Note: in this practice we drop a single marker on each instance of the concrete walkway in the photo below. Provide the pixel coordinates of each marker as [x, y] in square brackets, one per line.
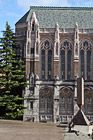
[73, 136]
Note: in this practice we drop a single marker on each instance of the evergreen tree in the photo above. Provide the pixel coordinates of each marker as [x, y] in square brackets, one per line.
[11, 77]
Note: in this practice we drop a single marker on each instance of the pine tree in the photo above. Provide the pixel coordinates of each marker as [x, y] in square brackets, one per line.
[11, 77]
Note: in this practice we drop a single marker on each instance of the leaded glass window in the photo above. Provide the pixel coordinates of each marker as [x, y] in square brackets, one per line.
[69, 103]
[62, 55]
[88, 64]
[46, 60]
[42, 104]
[43, 63]
[82, 63]
[49, 63]
[46, 101]
[69, 58]
[66, 101]
[47, 43]
[85, 44]
[66, 43]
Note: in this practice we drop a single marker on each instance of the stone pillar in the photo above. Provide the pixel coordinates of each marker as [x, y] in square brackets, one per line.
[56, 51]
[36, 101]
[80, 92]
[76, 51]
[56, 99]
[36, 43]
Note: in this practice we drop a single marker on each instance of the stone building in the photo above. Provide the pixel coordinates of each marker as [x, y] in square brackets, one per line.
[56, 44]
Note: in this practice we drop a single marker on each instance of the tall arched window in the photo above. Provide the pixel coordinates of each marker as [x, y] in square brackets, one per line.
[88, 64]
[66, 101]
[85, 60]
[46, 60]
[69, 63]
[82, 63]
[66, 60]
[49, 63]
[46, 101]
[62, 54]
[43, 63]
[88, 101]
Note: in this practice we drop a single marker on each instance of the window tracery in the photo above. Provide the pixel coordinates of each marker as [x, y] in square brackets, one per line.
[66, 60]
[85, 54]
[66, 101]
[88, 98]
[46, 101]
[46, 60]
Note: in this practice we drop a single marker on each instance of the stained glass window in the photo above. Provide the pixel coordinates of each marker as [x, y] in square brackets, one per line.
[69, 59]
[82, 63]
[43, 63]
[88, 64]
[62, 55]
[49, 63]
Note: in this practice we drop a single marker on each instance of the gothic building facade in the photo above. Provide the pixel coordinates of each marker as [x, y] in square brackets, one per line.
[56, 44]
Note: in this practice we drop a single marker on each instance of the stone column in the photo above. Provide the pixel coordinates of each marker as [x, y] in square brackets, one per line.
[76, 51]
[56, 51]
[56, 99]
[36, 101]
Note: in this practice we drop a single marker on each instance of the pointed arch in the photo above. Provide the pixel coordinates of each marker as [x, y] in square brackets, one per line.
[88, 101]
[47, 46]
[33, 26]
[66, 58]
[66, 101]
[86, 48]
[46, 101]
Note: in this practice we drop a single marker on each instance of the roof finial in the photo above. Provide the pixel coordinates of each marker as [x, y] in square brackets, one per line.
[76, 25]
[57, 26]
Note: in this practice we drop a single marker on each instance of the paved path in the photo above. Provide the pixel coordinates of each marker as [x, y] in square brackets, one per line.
[17, 130]
[74, 136]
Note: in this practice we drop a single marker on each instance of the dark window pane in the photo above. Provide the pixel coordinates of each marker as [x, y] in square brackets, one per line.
[85, 43]
[49, 63]
[43, 63]
[32, 50]
[62, 57]
[69, 63]
[82, 63]
[66, 43]
[33, 26]
[47, 43]
[88, 64]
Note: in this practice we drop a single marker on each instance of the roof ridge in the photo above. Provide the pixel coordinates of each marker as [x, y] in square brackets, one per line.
[63, 8]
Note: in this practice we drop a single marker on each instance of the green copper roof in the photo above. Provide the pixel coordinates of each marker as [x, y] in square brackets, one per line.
[65, 16]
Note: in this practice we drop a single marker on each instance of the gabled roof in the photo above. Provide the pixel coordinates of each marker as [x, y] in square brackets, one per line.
[65, 16]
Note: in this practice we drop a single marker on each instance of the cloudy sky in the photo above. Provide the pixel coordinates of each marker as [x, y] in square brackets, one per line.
[13, 10]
